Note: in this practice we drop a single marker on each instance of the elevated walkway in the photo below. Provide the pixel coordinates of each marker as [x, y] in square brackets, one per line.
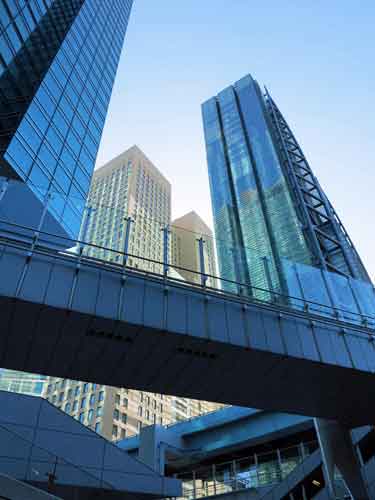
[77, 317]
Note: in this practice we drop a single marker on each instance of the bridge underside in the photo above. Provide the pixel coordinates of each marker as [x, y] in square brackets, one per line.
[89, 323]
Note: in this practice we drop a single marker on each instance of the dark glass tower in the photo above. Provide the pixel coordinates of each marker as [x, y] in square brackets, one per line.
[58, 60]
[270, 212]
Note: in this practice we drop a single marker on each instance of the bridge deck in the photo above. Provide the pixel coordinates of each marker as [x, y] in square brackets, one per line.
[78, 318]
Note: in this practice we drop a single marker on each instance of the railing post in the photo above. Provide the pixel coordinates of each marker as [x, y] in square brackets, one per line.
[280, 464]
[194, 486]
[234, 467]
[4, 188]
[214, 477]
[237, 271]
[166, 232]
[89, 211]
[202, 269]
[42, 218]
[267, 273]
[128, 221]
[256, 470]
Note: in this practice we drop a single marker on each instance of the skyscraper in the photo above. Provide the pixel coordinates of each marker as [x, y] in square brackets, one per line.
[23, 383]
[192, 239]
[129, 190]
[270, 212]
[58, 60]
[128, 195]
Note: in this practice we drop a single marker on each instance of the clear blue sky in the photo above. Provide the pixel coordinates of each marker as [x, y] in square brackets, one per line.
[316, 58]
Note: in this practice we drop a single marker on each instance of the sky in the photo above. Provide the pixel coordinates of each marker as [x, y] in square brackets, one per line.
[316, 59]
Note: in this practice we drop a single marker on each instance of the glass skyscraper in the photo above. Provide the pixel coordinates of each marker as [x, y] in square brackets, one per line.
[58, 60]
[271, 216]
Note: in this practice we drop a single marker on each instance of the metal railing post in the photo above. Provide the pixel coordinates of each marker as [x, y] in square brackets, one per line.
[194, 485]
[267, 272]
[89, 211]
[4, 188]
[166, 232]
[214, 477]
[234, 468]
[237, 271]
[280, 465]
[256, 470]
[129, 222]
[42, 218]
[202, 269]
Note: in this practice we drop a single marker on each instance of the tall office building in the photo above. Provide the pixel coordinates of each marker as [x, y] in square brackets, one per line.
[58, 60]
[22, 383]
[129, 187]
[192, 240]
[270, 212]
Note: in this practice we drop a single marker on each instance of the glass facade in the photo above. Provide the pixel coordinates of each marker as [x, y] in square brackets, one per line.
[256, 224]
[58, 60]
[262, 235]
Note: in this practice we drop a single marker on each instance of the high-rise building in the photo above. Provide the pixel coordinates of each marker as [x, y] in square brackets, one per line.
[128, 188]
[58, 60]
[127, 193]
[270, 212]
[191, 242]
[22, 383]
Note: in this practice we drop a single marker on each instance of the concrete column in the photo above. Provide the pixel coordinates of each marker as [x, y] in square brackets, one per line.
[337, 450]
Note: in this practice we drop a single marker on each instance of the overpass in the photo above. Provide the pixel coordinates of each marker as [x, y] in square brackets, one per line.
[69, 315]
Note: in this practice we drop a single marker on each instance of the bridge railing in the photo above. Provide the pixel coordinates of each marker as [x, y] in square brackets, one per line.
[182, 252]
[255, 471]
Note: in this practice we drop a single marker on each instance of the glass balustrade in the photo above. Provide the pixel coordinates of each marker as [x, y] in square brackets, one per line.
[130, 240]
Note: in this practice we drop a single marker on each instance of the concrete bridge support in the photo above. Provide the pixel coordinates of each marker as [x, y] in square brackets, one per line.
[338, 451]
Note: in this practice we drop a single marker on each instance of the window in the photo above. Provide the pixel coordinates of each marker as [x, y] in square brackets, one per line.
[125, 402]
[68, 407]
[101, 396]
[117, 399]
[75, 405]
[123, 433]
[90, 416]
[140, 411]
[97, 427]
[83, 402]
[81, 417]
[147, 415]
[61, 397]
[116, 414]
[63, 384]
[99, 411]
[69, 395]
[85, 388]
[76, 391]
[92, 399]
[114, 431]
[49, 389]
[54, 399]
[124, 418]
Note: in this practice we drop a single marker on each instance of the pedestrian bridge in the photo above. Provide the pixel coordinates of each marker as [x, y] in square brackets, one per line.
[69, 315]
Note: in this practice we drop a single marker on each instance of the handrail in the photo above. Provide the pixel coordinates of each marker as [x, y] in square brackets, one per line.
[80, 243]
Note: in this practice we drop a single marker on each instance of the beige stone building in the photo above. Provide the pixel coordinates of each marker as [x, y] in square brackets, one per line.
[127, 186]
[186, 233]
